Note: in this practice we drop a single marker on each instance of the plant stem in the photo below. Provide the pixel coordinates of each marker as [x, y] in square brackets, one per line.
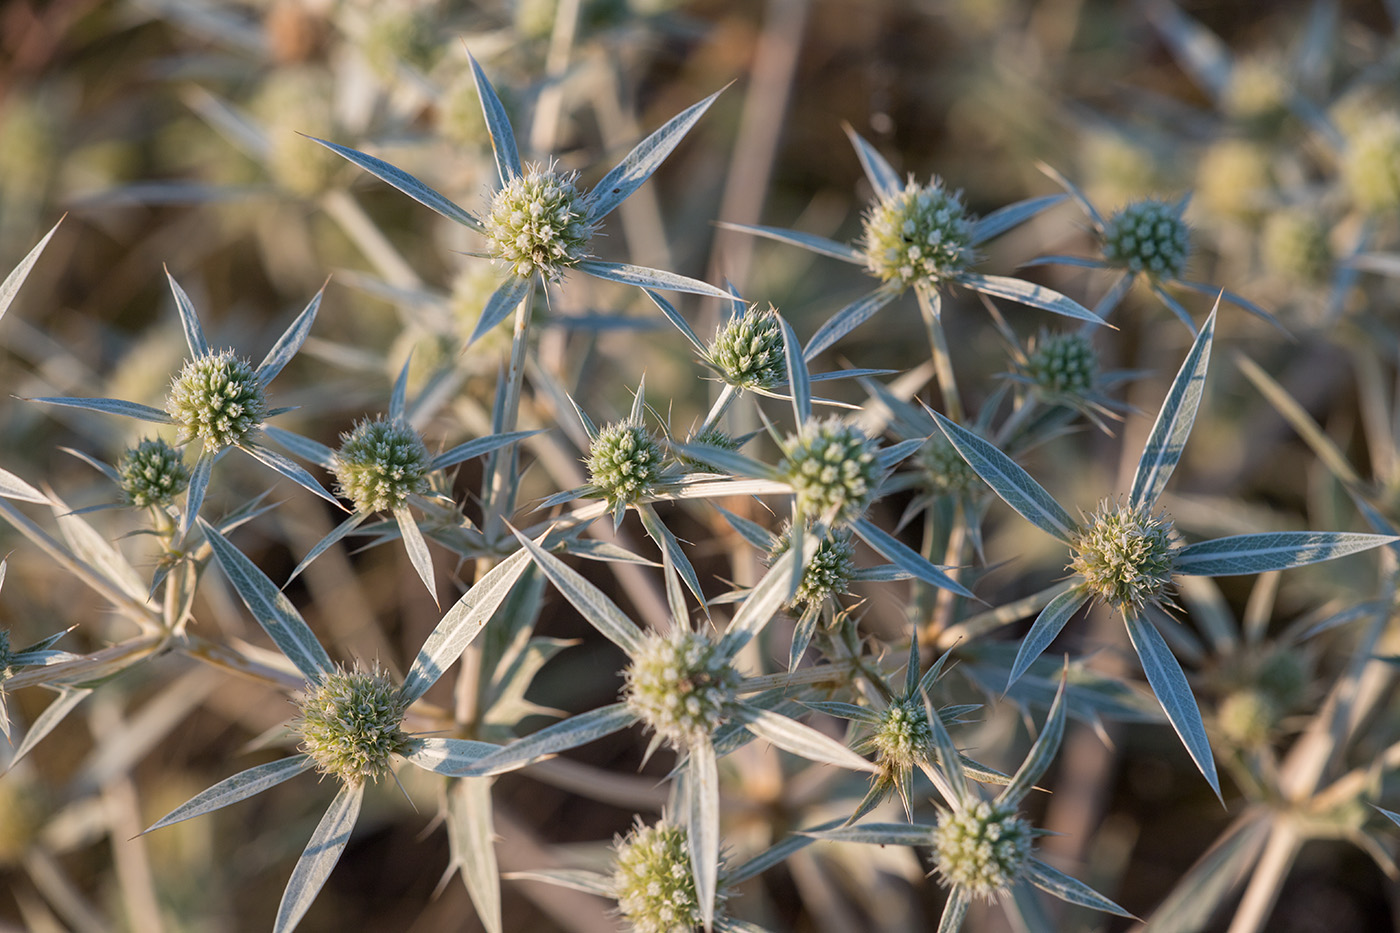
[931, 305]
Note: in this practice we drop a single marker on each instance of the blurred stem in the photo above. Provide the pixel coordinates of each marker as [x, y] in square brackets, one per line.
[545, 128]
[356, 224]
[726, 398]
[946, 600]
[976, 626]
[1267, 879]
[932, 307]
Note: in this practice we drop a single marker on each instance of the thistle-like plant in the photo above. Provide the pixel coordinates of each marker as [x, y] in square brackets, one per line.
[1125, 554]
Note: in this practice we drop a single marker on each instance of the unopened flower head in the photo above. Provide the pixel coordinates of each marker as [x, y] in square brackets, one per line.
[624, 462]
[679, 685]
[1372, 164]
[748, 351]
[713, 437]
[653, 883]
[538, 223]
[152, 473]
[1124, 554]
[1063, 365]
[922, 234]
[982, 848]
[944, 468]
[351, 723]
[1297, 246]
[1148, 236]
[834, 469]
[217, 398]
[902, 736]
[828, 573]
[380, 464]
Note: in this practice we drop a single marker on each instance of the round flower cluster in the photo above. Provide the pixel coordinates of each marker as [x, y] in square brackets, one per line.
[380, 464]
[901, 736]
[1063, 364]
[350, 724]
[1257, 91]
[828, 573]
[982, 848]
[922, 234]
[152, 473]
[653, 883]
[1297, 246]
[1124, 554]
[748, 351]
[944, 468]
[1148, 236]
[1372, 166]
[714, 437]
[679, 685]
[624, 462]
[217, 398]
[538, 223]
[833, 468]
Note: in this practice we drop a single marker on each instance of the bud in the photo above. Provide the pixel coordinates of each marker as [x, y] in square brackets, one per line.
[901, 737]
[982, 848]
[1063, 365]
[679, 685]
[714, 437]
[834, 469]
[1124, 554]
[653, 882]
[828, 573]
[152, 474]
[217, 398]
[748, 350]
[380, 464]
[1148, 236]
[624, 462]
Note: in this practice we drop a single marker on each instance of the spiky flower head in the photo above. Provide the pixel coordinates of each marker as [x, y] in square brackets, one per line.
[1063, 364]
[712, 437]
[380, 464]
[679, 685]
[921, 234]
[538, 223]
[945, 470]
[829, 571]
[748, 350]
[350, 723]
[1372, 165]
[982, 848]
[653, 882]
[1124, 554]
[1148, 236]
[834, 469]
[901, 737]
[218, 398]
[152, 473]
[624, 462]
[1297, 246]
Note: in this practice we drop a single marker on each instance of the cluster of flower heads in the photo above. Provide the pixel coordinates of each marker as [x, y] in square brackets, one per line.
[680, 685]
[982, 848]
[833, 468]
[902, 736]
[828, 573]
[1063, 364]
[153, 473]
[747, 351]
[624, 462]
[1124, 553]
[351, 723]
[653, 882]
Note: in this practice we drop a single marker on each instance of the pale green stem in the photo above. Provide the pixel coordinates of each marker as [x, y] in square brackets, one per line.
[930, 304]
[356, 224]
[946, 600]
[1267, 879]
[984, 622]
[726, 398]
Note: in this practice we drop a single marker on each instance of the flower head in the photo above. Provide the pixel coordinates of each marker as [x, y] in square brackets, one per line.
[1064, 364]
[538, 222]
[922, 234]
[1148, 236]
[902, 737]
[350, 723]
[748, 350]
[380, 464]
[1124, 554]
[828, 573]
[833, 468]
[982, 847]
[711, 437]
[1297, 246]
[680, 684]
[624, 462]
[218, 398]
[652, 880]
[152, 473]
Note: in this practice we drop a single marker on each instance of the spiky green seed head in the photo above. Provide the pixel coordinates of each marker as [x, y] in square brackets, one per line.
[1148, 236]
[400, 36]
[901, 738]
[1124, 554]
[1297, 246]
[828, 573]
[923, 234]
[295, 101]
[833, 468]
[152, 473]
[982, 848]
[653, 882]
[1064, 365]
[218, 399]
[1371, 167]
[351, 723]
[748, 350]
[624, 462]
[380, 464]
[538, 223]
[713, 437]
[945, 470]
[679, 685]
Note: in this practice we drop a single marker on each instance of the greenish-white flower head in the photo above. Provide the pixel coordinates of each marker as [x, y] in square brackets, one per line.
[398, 35]
[1148, 236]
[1063, 365]
[351, 723]
[902, 736]
[1297, 246]
[1124, 554]
[538, 223]
[923, 234]
[945, 470]
[679, 685]
[828, 573]
[652, 880]
[218, 399]
[624, 462]
[1248, 717]
[1257, 91]
[152, 473]
[833, 468]
[982, 848]
[1372, 164]
[713, 437]
[380, 464]
[748, 350]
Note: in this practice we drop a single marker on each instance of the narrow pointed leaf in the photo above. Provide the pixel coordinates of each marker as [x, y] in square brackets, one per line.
[274, 612]
[880, 834]
[448, 756]
[1259, 553]
[189, 319]
[1074, 192]
[602, 613]
[846, 711]
[502, 304]
[907, 559]
[808, 241]
[462, 623]
[575, 879]
[799, 739]
[12, 487]
[1200, 52]
[1053, 881]
[954, 911]
[1235, 299]
[639, 401]
[290, 342]
[999, 221]
[269, 457]
[317, 861]
[949, 760]
[895, 453]
[571, 733]
[850, 317]
[111, 406]
[194, 494]
[638, 165]
[498, 124]
[882, 176]
[10, 287]
[417, 547]
[1388, 814]
[802, 632]
[405, 182]
[471, 841]
[106, 469]
[798, 377]
[241, 786]
[658, 532]
[1174, 421]
[730, 461]
[303, 447]
[1173, 305]
[702, 825]
[1013, 484]
[750, 531]
[1041, 754]
[769, 595]
[1047, 625]
[336, 534]
[644, 278]
[675, 318]
[1028, 293]
[778, 853]
[67, 700]
[398, 396]
[1169, 683]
